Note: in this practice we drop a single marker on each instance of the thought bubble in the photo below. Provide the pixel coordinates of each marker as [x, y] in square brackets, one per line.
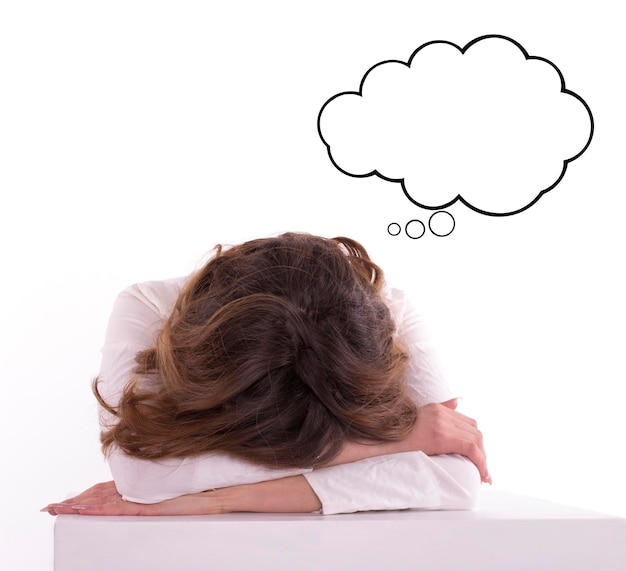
[486, 124]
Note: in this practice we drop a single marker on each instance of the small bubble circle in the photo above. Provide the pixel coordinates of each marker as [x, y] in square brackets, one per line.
[394, 228]
[415, 229]
[441, 223]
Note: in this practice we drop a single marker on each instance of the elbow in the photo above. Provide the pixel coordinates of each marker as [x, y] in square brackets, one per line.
[136, 480]
[463, 489]
[470, 494]
[133, 490]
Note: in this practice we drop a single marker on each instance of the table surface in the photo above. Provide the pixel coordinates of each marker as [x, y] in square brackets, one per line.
[506, 531]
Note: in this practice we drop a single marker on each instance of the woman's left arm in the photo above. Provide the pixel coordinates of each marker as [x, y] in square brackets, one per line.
[439, 466]
[398, 481]
[285, 495]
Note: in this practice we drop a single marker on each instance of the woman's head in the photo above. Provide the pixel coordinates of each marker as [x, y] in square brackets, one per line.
[278, 351]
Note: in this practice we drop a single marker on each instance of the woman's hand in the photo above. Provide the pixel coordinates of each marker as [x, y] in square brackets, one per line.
[440, 429]
[291, 494]
[104, 499]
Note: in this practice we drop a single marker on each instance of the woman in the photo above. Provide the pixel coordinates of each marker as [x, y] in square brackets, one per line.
[283, 376]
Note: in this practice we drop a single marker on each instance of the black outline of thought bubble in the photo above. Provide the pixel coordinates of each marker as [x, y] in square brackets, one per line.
[458, 196]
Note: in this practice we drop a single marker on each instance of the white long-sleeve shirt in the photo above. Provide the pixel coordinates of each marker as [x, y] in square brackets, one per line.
[394, 481]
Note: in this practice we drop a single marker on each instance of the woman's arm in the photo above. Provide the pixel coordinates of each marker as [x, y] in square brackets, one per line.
[441, 463]
[438, 466]
[389, 481]
[417, 481]
[291, 494]
[439, 429]
[438, 482]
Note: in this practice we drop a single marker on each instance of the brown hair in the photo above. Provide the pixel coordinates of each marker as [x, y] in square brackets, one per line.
[278, 351]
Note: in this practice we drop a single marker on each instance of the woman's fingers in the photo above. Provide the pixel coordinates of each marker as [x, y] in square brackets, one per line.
[96, 495]
[475, 449]
[442, 430]
[475, 452]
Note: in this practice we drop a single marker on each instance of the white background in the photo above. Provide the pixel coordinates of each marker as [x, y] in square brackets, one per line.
[135, 136]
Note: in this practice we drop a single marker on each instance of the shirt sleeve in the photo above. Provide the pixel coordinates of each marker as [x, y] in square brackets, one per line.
[397, 481]
[137, 317]
[426, 379]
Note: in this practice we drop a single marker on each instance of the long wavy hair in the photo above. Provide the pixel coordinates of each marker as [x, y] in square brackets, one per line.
[278, 351]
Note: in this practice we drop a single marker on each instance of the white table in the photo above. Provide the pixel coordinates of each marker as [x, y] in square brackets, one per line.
[506, 532]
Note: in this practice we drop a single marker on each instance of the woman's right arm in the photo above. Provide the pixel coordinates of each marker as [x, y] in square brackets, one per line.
[438, 466]
[435, 467]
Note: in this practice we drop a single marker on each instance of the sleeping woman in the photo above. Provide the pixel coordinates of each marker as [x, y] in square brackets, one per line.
[284, 376]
